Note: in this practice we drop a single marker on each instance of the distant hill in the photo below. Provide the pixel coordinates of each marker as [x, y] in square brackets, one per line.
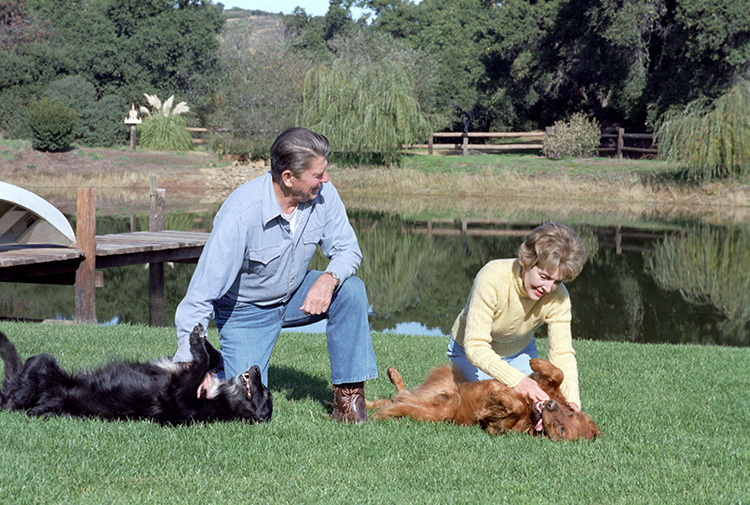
[255, 25]
[236, 13]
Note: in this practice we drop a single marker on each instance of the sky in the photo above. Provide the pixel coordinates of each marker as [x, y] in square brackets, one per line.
[312, 7]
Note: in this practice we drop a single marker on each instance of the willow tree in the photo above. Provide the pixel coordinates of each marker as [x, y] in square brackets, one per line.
[710, 138]
[368, 112]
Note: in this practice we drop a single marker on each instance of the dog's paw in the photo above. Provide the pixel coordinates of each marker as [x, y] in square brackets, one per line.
[198, 343]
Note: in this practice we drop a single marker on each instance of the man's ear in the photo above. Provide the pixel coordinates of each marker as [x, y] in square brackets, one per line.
[286, 178]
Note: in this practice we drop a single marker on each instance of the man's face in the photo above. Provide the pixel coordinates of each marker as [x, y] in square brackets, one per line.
[306, 187]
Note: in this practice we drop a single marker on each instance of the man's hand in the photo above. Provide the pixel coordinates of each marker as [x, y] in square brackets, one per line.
[318, 299]
[531, 390]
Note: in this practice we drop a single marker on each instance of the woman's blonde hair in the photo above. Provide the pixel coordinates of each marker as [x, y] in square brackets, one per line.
[552, 246]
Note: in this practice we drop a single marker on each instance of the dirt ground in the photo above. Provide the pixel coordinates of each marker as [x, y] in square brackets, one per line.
[122, 175]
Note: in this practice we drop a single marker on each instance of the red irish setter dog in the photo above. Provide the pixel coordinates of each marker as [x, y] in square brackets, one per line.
[446, 397]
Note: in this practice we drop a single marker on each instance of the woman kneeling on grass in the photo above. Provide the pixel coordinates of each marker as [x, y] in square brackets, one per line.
[492, 337]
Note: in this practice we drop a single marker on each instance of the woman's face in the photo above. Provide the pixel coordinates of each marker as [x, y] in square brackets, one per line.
[538, 282]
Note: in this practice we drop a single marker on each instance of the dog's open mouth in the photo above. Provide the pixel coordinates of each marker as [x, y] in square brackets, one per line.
[246, 382]
[538, 424]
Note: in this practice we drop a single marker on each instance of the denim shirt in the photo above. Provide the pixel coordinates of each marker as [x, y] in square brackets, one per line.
[252, 256]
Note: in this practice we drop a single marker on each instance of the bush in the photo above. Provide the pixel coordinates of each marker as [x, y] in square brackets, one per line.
[163, 128]
[14, 120]
[53, 124]
[100, 121]
[576, 138]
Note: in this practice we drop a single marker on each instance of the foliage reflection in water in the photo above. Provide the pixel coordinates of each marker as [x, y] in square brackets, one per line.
[687, 285]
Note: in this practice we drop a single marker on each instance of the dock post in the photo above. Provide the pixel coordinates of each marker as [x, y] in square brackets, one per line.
[86, 242]
[156, 270]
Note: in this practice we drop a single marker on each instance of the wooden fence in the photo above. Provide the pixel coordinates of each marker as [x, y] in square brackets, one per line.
[613, 140]
[619, 136]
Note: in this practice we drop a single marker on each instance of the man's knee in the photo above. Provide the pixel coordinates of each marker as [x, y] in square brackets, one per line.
[353, 289]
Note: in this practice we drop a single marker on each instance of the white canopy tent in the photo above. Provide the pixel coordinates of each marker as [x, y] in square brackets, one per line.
[26, 218]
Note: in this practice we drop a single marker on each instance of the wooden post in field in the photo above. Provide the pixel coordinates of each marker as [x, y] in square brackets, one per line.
[620, 142]
[133, 120]
[465, 146]
[618, 240]
[430, 141]
[156, 270]
[85, 311]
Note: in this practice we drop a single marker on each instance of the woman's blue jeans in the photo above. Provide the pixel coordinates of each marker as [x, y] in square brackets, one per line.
[249, 332]
[520, 361]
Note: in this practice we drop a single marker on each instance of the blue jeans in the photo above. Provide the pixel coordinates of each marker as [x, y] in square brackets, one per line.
[520, 360]
[249, 332]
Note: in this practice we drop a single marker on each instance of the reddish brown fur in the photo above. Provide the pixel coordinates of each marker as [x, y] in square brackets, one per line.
[446, 397]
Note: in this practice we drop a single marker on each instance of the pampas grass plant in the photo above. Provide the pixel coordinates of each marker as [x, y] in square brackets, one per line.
[163, 126]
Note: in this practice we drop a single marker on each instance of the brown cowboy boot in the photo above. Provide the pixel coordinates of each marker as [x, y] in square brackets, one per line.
[349, 402]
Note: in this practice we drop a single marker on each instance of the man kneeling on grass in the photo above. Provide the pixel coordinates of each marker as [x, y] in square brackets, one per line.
[253, 272]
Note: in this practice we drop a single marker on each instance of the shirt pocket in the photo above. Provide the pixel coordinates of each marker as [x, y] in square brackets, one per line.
[311, 238]
[262, 261]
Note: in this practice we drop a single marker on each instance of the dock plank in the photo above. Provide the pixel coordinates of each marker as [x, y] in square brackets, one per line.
[25, 262]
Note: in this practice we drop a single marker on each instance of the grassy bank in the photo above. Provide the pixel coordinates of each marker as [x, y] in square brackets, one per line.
[674, 420]
[507, 186]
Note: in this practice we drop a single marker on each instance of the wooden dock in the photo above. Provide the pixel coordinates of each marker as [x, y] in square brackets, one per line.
[78, 266]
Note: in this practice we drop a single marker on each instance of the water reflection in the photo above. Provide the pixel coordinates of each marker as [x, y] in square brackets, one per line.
[688, 284]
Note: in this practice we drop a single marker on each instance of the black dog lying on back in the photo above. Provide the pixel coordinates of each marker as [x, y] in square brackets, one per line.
[160, 390]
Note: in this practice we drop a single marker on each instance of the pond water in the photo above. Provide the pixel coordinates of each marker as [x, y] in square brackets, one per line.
[662, 282]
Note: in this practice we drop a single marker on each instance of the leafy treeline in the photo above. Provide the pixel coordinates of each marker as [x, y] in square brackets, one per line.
[99, 56]
[511, 65]
[521, 63]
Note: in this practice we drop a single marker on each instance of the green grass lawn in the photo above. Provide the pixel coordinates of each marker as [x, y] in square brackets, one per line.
[675, 422]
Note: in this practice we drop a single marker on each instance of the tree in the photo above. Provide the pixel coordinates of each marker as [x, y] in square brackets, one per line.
[122, 47]
[453, 34]
[710, 138]
[368, 112]
[260, 87]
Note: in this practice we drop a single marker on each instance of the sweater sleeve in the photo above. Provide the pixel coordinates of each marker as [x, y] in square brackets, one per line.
[561, 352]
[480, 309]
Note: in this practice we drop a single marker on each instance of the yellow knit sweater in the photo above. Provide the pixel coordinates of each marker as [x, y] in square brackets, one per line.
[499, 320]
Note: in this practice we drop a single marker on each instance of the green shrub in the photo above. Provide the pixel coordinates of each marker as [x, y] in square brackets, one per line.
[52, 123]
[163, 128]
[576, 138]
[100, 121]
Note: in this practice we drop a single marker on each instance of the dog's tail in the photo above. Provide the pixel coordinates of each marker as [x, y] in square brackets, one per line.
[13, 362]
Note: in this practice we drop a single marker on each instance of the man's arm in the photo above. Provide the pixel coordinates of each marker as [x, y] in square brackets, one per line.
[217, 269]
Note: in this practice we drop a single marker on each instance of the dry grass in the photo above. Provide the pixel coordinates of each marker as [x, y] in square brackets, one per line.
[486, 186]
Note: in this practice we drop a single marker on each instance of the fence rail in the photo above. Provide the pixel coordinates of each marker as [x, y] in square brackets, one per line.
[620, 137]
[609, 142]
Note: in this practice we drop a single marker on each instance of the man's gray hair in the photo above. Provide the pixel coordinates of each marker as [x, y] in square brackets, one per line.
[293, 150]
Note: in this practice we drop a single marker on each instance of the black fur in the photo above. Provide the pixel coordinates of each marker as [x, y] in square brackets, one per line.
[159, 390]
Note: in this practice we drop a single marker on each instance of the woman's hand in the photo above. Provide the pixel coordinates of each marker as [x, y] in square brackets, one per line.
[528, 388]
